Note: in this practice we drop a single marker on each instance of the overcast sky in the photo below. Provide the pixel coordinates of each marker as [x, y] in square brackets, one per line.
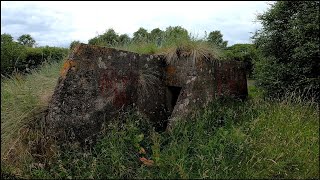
[59, 23]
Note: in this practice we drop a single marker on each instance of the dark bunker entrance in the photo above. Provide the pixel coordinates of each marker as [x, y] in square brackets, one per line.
[172, 95]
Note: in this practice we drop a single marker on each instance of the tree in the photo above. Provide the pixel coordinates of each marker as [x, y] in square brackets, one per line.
[12, 53]
[176, 32]
[95, 41]
[289, 43]
[26, 40]
[110, 37]
[6, 38]
[215, 38]
[156, 35]
[124, 39]
[73, 44]
[141, 35]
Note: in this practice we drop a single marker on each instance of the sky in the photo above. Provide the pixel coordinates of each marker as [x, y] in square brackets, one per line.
[61, 22]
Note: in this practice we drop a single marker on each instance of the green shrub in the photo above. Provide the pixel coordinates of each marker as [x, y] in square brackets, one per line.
[54, 54]
[24, 59]
[37, 56]
[12, 53]
[289, 42]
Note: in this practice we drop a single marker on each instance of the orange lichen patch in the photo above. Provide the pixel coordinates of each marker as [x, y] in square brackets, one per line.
[170, 70]
[146, 161]
[69, 64]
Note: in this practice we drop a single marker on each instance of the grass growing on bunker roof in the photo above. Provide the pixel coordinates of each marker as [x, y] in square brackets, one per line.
[197, 49]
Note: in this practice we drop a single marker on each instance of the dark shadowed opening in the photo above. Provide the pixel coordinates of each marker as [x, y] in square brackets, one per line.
[172, 97]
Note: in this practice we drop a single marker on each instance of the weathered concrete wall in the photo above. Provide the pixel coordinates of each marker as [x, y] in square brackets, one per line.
[96, 82]
[196, 80]
[230, 79]
[202, 81]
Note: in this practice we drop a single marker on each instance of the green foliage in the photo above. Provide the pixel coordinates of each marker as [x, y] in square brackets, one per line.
[141, 35]
[26, 40]
[289, 42]
[37, 56]
[142, 47]
[73, 44]
[246, 53]
[110, 38]
[228, 139]
[5, 38]
[156, 36]
[17, 57]
[95, 41]
[173, 34]
[11, 53]
[157, 41]
[216, 38]
[124, 39]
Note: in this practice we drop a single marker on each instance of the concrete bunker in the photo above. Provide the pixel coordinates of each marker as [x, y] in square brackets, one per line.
[96, 82]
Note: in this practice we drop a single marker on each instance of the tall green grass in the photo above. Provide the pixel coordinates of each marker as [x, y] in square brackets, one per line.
[22, 97]
[228, 139]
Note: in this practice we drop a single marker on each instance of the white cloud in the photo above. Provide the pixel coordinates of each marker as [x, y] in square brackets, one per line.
[58, 23]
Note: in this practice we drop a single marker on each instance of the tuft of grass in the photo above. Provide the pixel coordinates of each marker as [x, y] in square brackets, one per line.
[196, 49]
[149, 79]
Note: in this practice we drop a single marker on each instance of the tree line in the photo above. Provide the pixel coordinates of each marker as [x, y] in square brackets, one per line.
[22, 55]
[172, 33]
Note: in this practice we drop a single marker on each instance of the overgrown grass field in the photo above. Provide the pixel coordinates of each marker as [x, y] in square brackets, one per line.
[255, 138]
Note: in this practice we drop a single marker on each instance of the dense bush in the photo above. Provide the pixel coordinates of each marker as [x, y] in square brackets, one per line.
[18, 57]
[246, 53]
[11, 53]
[36, 56]
[289, 43]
